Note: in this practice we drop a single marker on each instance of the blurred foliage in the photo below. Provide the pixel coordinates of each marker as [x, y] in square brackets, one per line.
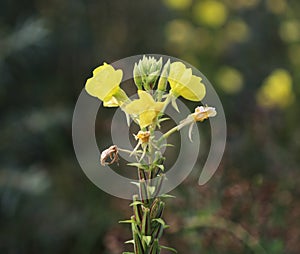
[248, 49]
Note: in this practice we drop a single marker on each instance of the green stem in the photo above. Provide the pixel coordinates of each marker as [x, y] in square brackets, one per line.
[167, 134]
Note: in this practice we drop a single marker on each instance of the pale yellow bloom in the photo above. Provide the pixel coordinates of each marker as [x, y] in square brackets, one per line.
[145, 108]
[105, 85]
[184, 83]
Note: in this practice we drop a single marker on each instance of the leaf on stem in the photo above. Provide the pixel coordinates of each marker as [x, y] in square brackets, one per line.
[139, 165]
[168, 248]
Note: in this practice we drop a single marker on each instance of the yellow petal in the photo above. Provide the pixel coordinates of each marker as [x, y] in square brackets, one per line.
[146, 118]
[146, 99]
[158, 106]
[99, 68]
[176, 70]
[194, 90]
[134, 107]
[145, 107]
[179, 74]
[138, 106]
[104, 82]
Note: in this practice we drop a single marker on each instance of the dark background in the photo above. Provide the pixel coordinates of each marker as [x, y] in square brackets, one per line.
[248, 49]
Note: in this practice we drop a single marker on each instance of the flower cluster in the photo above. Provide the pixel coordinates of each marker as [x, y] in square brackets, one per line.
[105, 85]
[158, 86]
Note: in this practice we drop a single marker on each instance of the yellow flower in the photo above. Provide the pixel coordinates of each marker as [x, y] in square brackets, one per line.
[105, 85]
[145, 108]
[184, 83]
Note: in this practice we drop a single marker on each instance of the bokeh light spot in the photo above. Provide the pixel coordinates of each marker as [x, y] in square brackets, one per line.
[178, 4]
[178, 35]
[242, 4]
[276, 90]
[230, 80]
[211, 13]
[237, 31]
[289, 31]
[276, 6]
[294, 54]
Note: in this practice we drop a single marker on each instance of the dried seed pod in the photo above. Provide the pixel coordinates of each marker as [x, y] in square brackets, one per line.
[110, 153]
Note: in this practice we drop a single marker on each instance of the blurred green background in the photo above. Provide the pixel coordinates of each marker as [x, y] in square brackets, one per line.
[248, 49]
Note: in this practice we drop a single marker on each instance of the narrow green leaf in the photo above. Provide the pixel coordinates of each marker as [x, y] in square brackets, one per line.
[137, 208]
[157, 210]
[147, 239]
[154, 249]
[138, 165]
[127, 221]
[174, 104]
[146, 222]
[160, 220]
[168, 248]
[161, 167]
[130, 241]
[164, 119]
[166, 145]
[167, 196]
[151, 190]
[137, 202]
[135, 183]
[143, 191]
[138, 244]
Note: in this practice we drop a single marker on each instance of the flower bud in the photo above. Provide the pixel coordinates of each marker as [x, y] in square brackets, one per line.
[137, 76]
[162, 83]
[146, 72]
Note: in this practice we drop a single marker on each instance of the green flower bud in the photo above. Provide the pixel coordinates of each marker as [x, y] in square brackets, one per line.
[162, 83]
[146, 72]
[137, 76]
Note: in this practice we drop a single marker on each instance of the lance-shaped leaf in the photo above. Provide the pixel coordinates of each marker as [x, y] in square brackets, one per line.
[168, 248]
[145, 228]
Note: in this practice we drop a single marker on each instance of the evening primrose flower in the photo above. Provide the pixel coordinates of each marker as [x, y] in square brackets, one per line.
[105, 85]
[184, 83]
[145, 108]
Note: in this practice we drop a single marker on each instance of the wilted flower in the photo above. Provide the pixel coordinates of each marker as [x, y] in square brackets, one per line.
[143, 136]
[110, 153]
[105, 85]
[202, 113]
[143, 140]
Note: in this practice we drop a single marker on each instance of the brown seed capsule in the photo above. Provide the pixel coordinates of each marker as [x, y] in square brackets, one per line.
[110, 153]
